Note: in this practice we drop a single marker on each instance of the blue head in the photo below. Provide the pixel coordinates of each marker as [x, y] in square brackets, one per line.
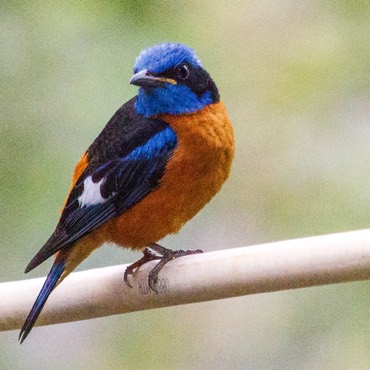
[172, 81]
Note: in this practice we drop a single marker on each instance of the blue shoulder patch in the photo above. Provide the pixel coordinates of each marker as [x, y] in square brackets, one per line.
[161, 143]
[166, 55]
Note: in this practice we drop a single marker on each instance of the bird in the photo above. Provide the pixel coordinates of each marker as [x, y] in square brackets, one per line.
[158, 161]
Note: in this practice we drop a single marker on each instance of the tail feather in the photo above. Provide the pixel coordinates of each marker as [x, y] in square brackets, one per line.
[50, 283]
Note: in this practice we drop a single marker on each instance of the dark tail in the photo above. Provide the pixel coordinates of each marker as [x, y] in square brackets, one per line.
[50, 282]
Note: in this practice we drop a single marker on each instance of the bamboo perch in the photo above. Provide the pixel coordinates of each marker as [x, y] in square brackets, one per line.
[291, 264]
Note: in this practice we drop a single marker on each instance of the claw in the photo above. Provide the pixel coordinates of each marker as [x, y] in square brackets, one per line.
[148, 256]
[164, 255]
[167, 255]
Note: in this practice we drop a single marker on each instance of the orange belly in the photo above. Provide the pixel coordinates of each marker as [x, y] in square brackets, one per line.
[194, 174]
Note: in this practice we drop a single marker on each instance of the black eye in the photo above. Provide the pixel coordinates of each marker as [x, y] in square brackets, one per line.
[183, 71]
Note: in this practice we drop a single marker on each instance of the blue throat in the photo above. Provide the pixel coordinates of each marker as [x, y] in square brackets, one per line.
[170, 99]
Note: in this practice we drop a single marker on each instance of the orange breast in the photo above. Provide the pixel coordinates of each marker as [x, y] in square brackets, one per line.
[194, 174]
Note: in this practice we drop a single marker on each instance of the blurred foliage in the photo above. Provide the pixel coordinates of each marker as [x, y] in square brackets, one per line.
[295, 78]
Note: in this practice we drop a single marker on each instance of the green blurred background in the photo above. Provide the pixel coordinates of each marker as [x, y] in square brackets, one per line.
[295, 78]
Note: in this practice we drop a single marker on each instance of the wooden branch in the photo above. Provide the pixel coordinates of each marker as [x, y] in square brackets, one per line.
[291, 264]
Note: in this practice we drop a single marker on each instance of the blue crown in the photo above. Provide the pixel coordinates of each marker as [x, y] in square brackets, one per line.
[161, 57]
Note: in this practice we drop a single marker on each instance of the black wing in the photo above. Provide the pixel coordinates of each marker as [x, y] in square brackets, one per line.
[126, 162]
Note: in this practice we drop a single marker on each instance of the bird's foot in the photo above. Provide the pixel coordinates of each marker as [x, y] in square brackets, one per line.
[148, 256]
[164, 255]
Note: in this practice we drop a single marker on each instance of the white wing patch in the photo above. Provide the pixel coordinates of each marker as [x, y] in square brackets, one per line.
[91, 194]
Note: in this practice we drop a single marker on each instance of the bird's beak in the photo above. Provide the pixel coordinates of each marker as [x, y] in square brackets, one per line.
[146, 79]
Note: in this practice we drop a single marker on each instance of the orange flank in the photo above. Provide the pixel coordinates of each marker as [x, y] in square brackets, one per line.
[80, 168]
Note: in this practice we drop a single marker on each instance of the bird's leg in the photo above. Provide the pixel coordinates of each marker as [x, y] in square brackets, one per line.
[148, 256]
[166, 255]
